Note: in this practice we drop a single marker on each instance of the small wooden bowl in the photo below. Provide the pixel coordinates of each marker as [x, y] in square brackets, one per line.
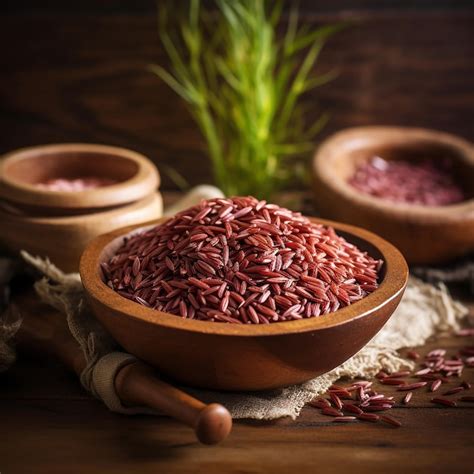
[134, 175]
[59, 224]
[425, 235]
[244, 357]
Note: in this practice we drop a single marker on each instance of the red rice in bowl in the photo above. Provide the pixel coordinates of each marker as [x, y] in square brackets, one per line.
[424, 183]
[74, 185]
[240, 260]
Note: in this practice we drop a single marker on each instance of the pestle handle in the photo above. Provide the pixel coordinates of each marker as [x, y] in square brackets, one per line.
[137, 384]
[44, 330]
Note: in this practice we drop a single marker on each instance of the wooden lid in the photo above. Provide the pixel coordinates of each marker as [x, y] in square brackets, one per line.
[21, 171]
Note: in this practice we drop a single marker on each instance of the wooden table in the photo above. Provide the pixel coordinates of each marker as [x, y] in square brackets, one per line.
[50, 425]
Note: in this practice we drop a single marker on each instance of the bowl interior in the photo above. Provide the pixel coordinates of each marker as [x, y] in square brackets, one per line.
[394, 274]
[356, 152]
[40, 166]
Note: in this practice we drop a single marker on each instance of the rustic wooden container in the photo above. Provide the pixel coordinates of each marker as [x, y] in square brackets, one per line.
[59, 224]
[425, 235]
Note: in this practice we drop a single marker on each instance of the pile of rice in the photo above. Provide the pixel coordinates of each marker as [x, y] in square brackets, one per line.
[241, 260]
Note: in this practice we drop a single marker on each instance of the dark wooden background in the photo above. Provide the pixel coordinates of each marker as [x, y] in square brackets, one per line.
[76, 71]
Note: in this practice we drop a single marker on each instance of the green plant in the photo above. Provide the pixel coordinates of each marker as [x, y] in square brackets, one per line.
[243, 87]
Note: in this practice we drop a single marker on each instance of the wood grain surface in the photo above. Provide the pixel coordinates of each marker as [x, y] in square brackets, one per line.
[76, 71]
[49, 425]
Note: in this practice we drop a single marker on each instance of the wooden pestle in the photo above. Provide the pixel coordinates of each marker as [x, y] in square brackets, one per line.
[44, 330]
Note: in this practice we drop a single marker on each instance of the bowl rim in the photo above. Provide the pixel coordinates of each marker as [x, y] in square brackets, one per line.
[145, 181]
[395, 135]
[393, 284]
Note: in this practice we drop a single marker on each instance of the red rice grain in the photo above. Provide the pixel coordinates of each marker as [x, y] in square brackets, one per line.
[320, 403]
[344, 419]
[342, 394]
[389, 381]
[413, 355]
[352, 408]
[407, 398]
[329, 411]
[444, 401]
[241, 260]
[453, 391]
[336, 400]
[369, 417]
[402, 373]
[412, 386]
[390, 420]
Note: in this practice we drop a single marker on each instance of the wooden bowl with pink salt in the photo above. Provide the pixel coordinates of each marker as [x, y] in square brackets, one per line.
[238, 294]
[55, 198]
[412, 186]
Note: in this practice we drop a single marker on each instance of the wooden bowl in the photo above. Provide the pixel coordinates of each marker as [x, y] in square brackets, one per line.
[425, 235]
[244, 357]
[63, 238]
[134, 175]
[58, 224]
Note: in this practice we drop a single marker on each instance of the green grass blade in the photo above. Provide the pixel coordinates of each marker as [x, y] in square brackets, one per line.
[320, 34]
[171, 81]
